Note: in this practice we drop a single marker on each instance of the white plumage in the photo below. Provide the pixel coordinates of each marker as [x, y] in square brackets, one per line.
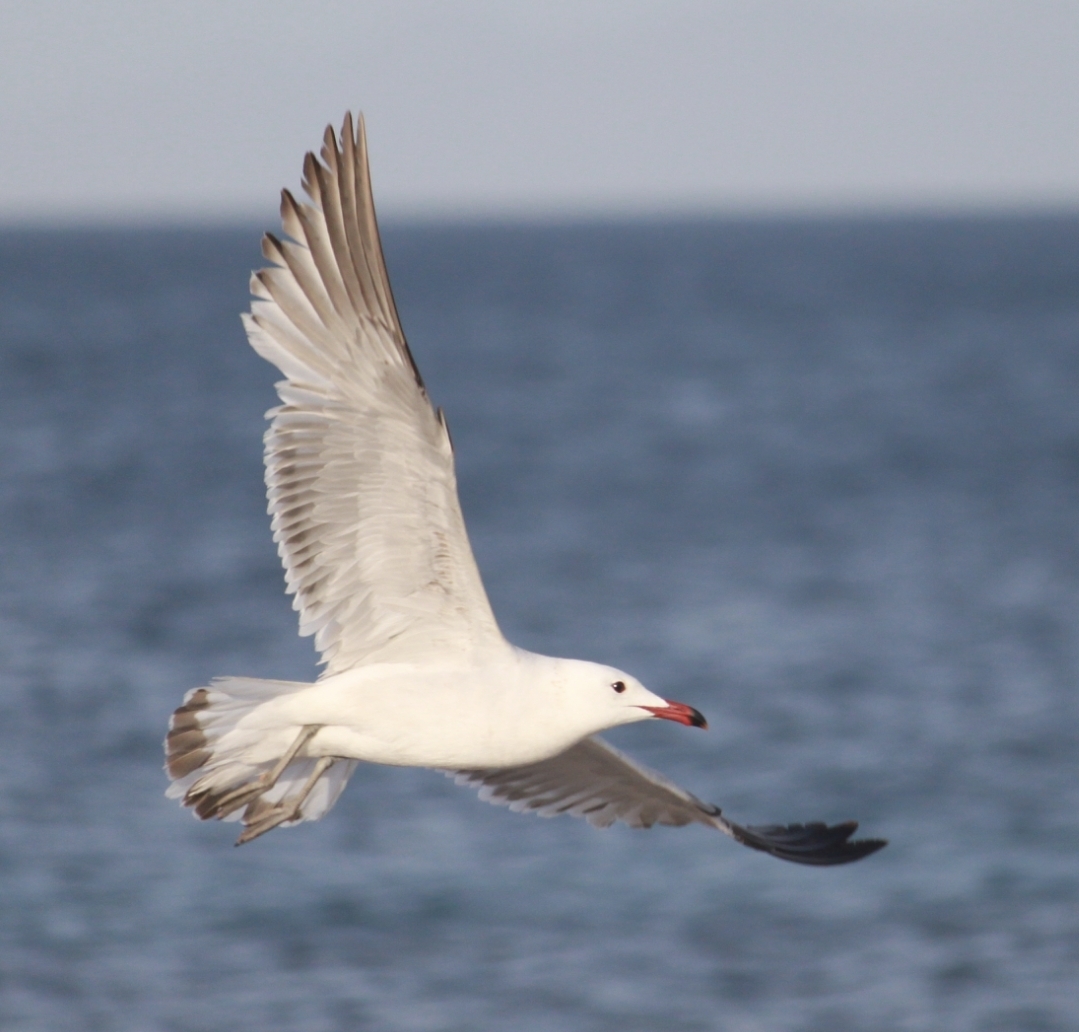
[363, 499]
[359, 466]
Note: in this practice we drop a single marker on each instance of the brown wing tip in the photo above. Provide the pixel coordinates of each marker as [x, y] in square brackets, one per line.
[289, 206]
[310, 181]
[271, 250]
[346, 128]
[330, 150]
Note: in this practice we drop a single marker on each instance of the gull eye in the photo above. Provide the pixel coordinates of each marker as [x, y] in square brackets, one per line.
[619, 686]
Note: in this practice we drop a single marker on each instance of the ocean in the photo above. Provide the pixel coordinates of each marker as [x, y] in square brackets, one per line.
[818, 478]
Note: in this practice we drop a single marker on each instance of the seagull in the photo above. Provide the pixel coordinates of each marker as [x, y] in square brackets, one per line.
[363, 498]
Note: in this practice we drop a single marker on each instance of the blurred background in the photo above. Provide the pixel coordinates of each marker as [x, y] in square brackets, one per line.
[757, 326]
[126, 111]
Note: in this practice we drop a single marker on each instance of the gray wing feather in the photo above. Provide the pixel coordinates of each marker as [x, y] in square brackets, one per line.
[359, 466]
[594, 780]
[591, 779]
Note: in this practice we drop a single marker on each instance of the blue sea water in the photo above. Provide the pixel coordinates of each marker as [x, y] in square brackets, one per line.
[819, 479]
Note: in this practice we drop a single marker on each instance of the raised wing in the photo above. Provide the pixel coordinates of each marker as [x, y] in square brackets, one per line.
[595, 781]
[359, 466]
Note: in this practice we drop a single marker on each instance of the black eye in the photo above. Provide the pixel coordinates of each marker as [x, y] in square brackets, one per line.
[619, 686]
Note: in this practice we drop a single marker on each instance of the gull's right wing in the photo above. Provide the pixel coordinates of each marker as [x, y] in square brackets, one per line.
[594, 780]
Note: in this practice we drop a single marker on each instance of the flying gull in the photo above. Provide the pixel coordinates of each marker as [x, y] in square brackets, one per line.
[362, 491]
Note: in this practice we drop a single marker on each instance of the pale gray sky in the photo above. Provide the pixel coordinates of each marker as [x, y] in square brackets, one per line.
[203, 109]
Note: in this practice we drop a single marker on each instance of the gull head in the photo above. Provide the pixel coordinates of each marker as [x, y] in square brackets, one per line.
[599, 697]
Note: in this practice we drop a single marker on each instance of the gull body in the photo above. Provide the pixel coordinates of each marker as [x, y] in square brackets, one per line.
[512, 709]
[363, 497]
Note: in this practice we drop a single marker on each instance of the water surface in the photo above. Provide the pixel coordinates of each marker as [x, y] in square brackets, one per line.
[819, 479]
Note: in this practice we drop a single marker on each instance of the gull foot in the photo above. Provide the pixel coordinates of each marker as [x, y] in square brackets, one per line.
[262, 817]
[222, 806]
[266, 818]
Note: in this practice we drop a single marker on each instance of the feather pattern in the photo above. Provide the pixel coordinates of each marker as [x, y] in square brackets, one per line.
[596, 781]
[359, 466]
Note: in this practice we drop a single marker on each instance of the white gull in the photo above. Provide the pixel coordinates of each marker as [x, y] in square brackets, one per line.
[361, 484]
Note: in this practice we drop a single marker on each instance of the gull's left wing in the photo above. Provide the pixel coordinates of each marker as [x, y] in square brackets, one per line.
[594, 780]
[359, 465]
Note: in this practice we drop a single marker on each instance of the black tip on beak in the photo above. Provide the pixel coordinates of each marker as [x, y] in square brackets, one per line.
[680, 713]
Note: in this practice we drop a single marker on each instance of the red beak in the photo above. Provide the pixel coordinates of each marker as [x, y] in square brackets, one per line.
[679, 713]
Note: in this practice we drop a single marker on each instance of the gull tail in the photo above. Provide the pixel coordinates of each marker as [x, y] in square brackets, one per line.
[221, 766]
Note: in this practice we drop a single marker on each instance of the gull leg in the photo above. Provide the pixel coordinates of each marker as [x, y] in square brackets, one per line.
[253, 789]
[261, 818]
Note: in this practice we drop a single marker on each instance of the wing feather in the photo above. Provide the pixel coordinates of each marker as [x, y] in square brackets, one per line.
[595, 781]
[359, 466]
[351, 220]
[592, 780]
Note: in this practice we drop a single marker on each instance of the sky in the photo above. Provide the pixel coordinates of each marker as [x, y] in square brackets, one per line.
[145, 111]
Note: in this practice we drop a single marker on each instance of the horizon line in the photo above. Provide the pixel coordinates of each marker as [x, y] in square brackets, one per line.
[528, 216]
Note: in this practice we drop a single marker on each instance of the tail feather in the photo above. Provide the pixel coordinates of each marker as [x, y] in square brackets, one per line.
[209, 753]
[185, 744]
